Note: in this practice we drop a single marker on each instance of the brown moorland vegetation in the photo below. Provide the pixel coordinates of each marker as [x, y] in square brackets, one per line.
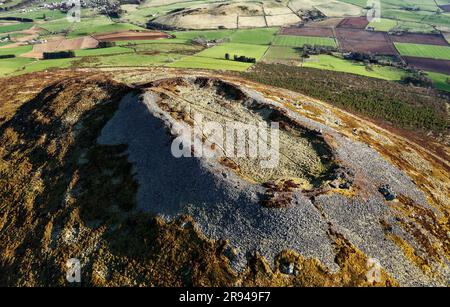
[390, 104]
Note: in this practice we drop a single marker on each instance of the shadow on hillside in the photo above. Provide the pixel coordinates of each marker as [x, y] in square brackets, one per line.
[63, 190]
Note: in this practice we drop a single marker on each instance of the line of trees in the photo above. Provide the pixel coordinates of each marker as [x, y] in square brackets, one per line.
[317, 49]
[106, 44]
[59, 55]
[240, 58]
[21, 19]
[417, 78]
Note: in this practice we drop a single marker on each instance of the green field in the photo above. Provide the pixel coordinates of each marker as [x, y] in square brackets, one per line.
[329, 62]
[10, 3]
[424, 17]
[96, 29]
[139, 16]
[101, 24]
[219, 51]
[102, 51]
[383, 24]
[440, 81]
[14, 35]
[131, 60]
[57, 26]
[262, 36]
[421, 20]
[209, 63]
[410, 26]
[17, 66]
[15, 50]
[36, 14]
[424, 51]
[8, 66]
[214, 58]
[299, 41]
[5, 43]
[259, 36]
[387, 25]
[277, 54]
[208, 34]
[396, 13]
[438, 19]
[88, 25]
[39, 65]
[103, 57]
[16, 27]
[361, 3]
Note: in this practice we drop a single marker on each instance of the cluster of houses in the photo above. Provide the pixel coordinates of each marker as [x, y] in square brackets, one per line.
[103, 6]
[107, 7]
[35, 41]
[206, 42]
[62, 6]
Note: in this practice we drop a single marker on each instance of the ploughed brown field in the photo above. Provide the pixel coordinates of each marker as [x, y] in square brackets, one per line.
[441, 66]
[354, 23]
[61, 44]
[365, 41]
[445, 8]
[308, 31]
[130, 35]
[427, 39]
[329, 22]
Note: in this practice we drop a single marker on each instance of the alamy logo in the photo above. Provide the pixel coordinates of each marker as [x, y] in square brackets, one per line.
[373, 270]
[74, 12]
[73, 273]
[232, 139]
[374, 11]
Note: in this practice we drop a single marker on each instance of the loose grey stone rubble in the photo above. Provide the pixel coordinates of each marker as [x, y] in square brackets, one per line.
[224, 206]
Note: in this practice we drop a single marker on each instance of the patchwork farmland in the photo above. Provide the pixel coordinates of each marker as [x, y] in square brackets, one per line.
[337, 24]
